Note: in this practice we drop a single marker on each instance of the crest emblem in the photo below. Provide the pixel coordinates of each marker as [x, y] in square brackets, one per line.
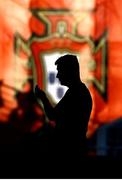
[56, 39]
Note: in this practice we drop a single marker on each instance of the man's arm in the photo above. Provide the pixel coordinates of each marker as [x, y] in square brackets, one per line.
[49, 110]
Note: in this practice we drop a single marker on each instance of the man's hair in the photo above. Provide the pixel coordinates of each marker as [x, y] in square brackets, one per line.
[68, 62]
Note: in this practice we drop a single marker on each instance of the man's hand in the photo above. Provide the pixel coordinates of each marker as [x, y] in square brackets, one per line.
[49, 110]
[39, 93]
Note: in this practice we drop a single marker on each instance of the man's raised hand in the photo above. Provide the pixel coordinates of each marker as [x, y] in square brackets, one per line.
[39, 93]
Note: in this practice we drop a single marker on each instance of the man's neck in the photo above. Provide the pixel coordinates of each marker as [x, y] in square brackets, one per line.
[74, 83]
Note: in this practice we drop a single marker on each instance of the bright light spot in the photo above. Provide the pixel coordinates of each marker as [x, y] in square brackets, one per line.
[53, 86]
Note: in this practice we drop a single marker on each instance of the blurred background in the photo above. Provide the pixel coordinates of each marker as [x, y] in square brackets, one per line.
[33, 34]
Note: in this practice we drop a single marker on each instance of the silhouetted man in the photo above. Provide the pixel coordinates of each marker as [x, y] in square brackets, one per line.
[72, 113]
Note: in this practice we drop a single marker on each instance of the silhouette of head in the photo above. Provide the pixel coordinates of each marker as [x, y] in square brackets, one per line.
[68, 69]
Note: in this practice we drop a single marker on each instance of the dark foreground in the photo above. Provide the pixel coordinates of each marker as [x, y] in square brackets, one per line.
[34, 165]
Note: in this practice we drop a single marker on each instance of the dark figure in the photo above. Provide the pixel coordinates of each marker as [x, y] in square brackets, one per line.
[72, 113]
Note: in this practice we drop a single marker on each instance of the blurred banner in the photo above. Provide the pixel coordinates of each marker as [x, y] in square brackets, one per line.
[35, 33]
